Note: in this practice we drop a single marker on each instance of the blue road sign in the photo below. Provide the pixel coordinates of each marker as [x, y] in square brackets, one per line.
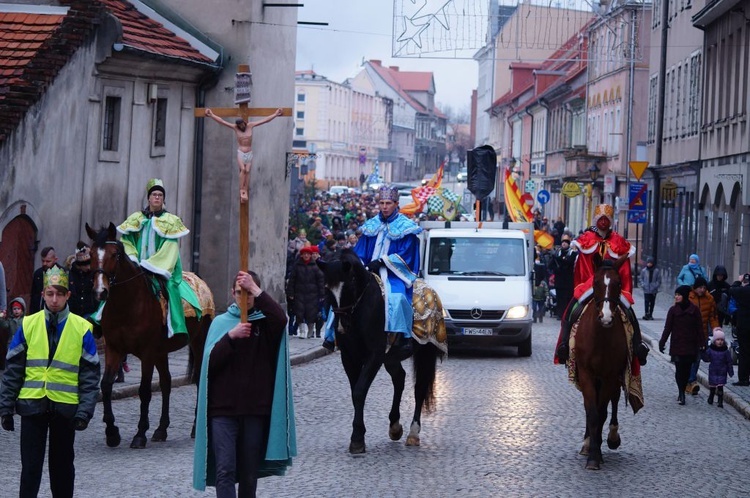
[543, 196]
[638, 197]
[636, 216]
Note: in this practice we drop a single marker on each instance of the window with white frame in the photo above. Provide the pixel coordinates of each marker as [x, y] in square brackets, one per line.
[652, 97]
[696, 76]
[112, 126]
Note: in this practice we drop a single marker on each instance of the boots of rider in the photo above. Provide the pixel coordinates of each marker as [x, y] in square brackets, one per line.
[712, 392]
[640, 350]
[563, 350]
[720, 403]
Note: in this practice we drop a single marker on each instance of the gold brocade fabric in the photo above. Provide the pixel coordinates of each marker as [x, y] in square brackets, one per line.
[429, 324]
[201, 290]
[631, 383]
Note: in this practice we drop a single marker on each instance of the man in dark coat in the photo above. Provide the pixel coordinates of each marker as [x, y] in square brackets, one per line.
[49, 258]
[563, 264]
[740, 291]
[306, 292]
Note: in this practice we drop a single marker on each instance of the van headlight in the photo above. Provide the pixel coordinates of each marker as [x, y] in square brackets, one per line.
[517, 312]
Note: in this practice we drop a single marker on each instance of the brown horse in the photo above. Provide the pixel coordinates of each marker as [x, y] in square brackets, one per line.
[601, 359]
[132, 322]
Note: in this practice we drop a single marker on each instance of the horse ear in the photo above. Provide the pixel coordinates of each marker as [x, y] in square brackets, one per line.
[90, 232]
[111, 231]
[597, 260]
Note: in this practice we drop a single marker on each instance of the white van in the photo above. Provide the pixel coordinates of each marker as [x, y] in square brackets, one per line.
[483, 277]
[338, 190]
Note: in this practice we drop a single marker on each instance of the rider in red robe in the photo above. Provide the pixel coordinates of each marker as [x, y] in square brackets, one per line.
[600, 240]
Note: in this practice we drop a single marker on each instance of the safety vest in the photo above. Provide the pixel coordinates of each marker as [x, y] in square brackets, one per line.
[58, 379]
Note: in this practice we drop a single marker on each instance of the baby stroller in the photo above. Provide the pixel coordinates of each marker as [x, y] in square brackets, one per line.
[552, 297]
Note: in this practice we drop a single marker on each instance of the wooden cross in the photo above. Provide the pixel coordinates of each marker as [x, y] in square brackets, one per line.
[245, 112]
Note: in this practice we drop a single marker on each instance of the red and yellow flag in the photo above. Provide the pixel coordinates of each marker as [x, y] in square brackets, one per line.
[519, 211]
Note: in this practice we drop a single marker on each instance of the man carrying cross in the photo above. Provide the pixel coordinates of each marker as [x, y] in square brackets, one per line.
[244, 132]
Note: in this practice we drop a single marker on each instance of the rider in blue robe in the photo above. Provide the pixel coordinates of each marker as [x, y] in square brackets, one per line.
[389, 247]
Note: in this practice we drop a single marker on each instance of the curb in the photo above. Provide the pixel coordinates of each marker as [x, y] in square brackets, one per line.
[739, 404]
[183, 380]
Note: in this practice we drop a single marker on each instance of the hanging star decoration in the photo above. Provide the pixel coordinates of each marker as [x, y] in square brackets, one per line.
[414, 26]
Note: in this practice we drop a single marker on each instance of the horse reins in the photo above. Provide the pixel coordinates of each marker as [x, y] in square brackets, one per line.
[348, 310]
[113, 278]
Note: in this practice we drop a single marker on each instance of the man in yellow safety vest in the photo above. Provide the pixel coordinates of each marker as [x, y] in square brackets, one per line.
[52, 382]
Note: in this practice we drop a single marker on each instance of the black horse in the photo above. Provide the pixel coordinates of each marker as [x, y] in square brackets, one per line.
[359, 304]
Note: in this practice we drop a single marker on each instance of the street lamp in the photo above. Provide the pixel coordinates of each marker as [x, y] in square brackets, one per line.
[594, 172]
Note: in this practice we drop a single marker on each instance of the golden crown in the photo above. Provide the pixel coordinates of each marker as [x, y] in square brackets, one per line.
[604, 210]
[56, 276]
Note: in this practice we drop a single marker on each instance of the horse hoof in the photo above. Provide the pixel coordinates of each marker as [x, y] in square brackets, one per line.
[592, 464]
[138, 443]
[395, 431]
[412, 441]
[357, 448]
[113, 437]
[159, 436]
[584, 450]
[613, 444]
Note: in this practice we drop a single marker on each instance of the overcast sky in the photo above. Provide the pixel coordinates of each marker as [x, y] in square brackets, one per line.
[361, 29]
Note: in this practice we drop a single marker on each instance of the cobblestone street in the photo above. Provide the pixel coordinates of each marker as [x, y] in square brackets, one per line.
[503, 425]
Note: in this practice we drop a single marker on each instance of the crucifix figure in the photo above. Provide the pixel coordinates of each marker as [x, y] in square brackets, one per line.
[244, 132]
[244, 155]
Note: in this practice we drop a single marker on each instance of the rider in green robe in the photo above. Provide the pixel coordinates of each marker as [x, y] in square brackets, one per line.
[150, 239]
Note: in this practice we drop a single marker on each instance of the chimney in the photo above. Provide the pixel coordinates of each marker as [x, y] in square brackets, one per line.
[394, 68]
[376, 62]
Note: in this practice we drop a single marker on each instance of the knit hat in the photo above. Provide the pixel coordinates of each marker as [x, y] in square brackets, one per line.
[308, 250]
[684, 291]
[650, 259]
[718, 334]
[700, 282]
[83, 253]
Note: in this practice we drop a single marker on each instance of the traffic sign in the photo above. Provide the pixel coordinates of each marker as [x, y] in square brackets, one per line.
[530, 185]
[637, 217]
[527, 199]
[638, 167]
[543, 197]
[638, 197]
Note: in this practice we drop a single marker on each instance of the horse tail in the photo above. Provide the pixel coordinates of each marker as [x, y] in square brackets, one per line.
[425, 365]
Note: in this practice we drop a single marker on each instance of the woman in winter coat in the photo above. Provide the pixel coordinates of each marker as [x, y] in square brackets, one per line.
[718, 287]
[306, 291]
[684, 325]
[719, 359]
[650, 282]
[691, 271]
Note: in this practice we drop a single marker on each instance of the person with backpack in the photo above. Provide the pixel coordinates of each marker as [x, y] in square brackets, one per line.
[691, 271]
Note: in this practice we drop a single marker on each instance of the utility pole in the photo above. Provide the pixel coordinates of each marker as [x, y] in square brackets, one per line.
[631, 86]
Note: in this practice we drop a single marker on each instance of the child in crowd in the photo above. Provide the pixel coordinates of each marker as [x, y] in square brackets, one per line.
[541, 290]
[9, 324]
[719, 359]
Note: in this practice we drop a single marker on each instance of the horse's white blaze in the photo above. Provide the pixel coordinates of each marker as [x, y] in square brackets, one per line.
[607, 306]
[336, 291]
[99, 278]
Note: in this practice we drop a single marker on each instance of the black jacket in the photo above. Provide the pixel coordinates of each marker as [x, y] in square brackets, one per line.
[306, 290]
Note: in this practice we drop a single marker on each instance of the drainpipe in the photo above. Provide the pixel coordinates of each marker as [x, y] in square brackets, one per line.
[545, 105]
[531, 142]
[660, 122]
[204, 85]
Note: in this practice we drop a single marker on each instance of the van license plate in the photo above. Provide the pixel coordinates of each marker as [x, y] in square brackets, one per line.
[473, 331]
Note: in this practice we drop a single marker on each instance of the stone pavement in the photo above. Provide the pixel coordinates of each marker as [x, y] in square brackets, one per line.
[300, 351]
[736, 396]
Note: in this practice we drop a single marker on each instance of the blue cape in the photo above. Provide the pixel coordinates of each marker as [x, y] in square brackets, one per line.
[282, 437]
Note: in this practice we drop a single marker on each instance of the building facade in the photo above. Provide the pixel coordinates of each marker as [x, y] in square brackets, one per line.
[347, 128]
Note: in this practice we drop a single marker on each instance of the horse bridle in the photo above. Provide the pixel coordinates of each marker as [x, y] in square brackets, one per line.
[112, 278]
[348, 310]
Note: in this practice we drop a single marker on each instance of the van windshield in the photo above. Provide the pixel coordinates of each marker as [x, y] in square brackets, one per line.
[476, 256]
